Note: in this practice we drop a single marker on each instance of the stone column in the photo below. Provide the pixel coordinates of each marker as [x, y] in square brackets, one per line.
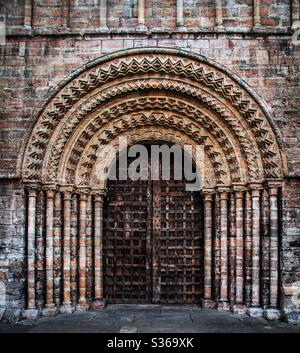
[50, 309]
[219, 14]
[255, 309]
[65, 14]
[295, 14]
[223, 303]
[57, 248]
[273, 313]
[239, 306]
[82, 302]
[208, 302]
[31, 311]
[179, 16]
[256, 14]
[141, 16]
[103, 16]
[248, 249]
[28, 14]
[98, 248]
[67, 199]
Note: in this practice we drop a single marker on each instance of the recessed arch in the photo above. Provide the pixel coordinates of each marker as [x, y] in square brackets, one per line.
[166, 95]
[222, 92]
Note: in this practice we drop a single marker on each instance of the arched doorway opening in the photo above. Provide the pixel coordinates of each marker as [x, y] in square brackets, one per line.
[153, 95]
[153, 240]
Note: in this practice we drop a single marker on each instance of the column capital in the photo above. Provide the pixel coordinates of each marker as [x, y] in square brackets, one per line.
[223, 191]
[32, 185]
[50, 190]
[238, 190]
[255, 188]
[99, 194]
[273, 186]
[208, 193]
[66, 188]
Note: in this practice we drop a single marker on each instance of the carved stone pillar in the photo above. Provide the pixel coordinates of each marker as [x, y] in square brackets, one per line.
[82, 302]
[74, 247]
[232, 250]
[98, 248]
[89, 251]
[208, 302]
[57, 248]
[223, 302]
[50, 309]
[256, 14]
[179, 16]
[219, 14]
[31, 216]
[273, 313]
[103, 16]
[255, 309]
[295, 14]
[239, 306]
[248, 249]
[67, 199]
[141, 16]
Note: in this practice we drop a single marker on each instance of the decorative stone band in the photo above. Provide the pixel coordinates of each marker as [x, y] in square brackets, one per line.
[233, 236]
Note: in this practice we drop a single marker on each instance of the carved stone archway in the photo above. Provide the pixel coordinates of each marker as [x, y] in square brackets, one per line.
[154, 94]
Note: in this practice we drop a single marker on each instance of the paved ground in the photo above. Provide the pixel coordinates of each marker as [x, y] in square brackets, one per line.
[152, 319]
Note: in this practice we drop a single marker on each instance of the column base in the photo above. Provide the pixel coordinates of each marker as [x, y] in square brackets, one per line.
[103, 29]
[66, 308]
[83, 306]
[50, 310]
[141, 28]
[98, 304]
[223, 305]
[239, 309]
[291, 317]
[255, 312]
[272, 314]
[30, 314]
[181, 29]
[208, 304]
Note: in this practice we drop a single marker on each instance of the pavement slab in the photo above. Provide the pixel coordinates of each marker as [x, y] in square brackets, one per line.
[150, 319]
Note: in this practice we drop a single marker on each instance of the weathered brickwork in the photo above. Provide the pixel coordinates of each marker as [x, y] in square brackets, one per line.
[47, 44]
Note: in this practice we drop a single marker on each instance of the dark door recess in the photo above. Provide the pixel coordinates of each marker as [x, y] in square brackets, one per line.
[153, 242]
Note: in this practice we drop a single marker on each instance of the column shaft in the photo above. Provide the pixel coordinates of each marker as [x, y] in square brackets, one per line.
[274, 247]
[255, 195]
[103, 14]
[141, 15]
[49, 250]
[219, 13]
[28, 13]
[82, 251]
[179, 14]
[224, 249]
[239, 247]
[208, 247]
[295, 13]
[256, 13]
[67, 196]
[32, 197]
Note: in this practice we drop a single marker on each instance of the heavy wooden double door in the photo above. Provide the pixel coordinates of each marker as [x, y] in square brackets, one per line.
[153, 242]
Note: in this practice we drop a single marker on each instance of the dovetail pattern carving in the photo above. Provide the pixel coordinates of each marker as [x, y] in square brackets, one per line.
[222, 95]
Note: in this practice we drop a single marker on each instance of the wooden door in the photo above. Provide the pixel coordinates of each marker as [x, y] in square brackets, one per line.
[152, 243]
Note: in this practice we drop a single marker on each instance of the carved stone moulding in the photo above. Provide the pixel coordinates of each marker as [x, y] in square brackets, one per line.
[228, 108]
